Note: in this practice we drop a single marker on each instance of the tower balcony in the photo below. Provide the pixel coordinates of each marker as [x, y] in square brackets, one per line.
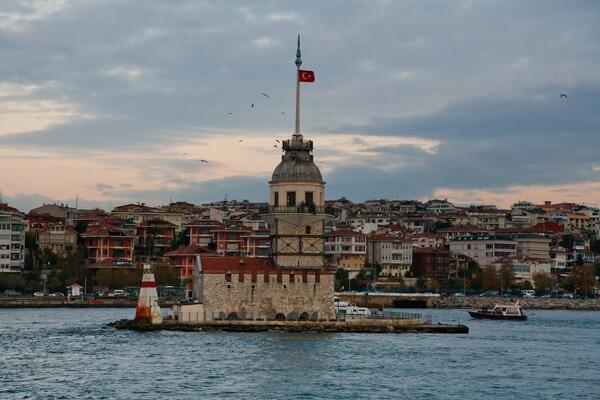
[299, 209]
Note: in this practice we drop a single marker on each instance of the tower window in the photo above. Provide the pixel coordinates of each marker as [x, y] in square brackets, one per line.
[308, 198]
[307, 229]
[291, 199]
[276, 199]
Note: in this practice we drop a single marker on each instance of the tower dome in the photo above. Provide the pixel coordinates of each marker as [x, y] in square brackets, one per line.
[297, 163]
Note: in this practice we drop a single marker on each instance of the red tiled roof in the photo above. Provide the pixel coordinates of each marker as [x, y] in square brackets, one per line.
[6, 207]
[189, 250]
[157, 222]
[345, 232]
[549, 226]
[234, 264]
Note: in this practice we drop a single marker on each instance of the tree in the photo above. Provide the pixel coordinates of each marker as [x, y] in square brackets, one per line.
[340, 279]
[542, 281]
[567, 242]
[582, 278]
[490, 279]
[420, 284]
[506, 275]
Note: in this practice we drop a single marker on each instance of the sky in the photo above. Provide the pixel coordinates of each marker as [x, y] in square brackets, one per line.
[112, 102]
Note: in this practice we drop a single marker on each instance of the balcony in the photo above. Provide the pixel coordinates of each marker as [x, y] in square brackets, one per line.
[300, 209]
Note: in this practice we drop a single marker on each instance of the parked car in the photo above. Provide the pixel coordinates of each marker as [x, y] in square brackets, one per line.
[528, 293]
[57, 294]
[118, 293]
[458, 294]
[11, 293]
[39, 294]
[567, 295]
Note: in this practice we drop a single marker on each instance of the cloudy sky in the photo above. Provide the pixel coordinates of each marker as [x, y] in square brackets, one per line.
[115, 101]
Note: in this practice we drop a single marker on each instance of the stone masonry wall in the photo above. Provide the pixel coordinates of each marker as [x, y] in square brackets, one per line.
[264, 300]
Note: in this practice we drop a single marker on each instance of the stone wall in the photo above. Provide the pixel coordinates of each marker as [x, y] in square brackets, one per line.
[267, 300]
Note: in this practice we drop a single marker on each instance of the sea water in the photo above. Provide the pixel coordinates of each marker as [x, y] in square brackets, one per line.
[72, 354]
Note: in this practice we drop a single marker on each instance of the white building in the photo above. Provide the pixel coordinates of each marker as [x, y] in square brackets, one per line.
[12, 239]
[392, 252]
[484, 249]
[524, 268]
[346, 249]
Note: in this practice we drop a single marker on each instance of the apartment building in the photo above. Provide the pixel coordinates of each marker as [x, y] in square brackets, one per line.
[12, 239]
[106, 241]
[484, 249]
[347, 249]
[58, 238]
[392, 252]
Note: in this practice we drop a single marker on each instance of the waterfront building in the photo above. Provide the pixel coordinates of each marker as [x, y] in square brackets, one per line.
[184, 258]
[140, 213]
[347, 249]
[440, 206]
[431, 263]
[523, 268]
[12, 239]
[58, 238]
[484, 249]
[429, 239]
[392, 252]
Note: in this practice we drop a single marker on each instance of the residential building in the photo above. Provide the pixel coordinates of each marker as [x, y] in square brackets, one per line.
[201, 231]
[429, 239]
[107, 242]
[157, 234]
[184, 258]
[431, 263]
[58, 238]
[393, 253]
[347, 249]
[533, 246]
[12, 239]
[523, 268]
[484, 249]
[256, 243]
[440, 206]
[62, 212]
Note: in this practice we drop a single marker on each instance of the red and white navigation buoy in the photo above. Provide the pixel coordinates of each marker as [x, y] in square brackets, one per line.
[148, 309]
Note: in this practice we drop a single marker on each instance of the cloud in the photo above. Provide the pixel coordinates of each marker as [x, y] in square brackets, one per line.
[462, 96]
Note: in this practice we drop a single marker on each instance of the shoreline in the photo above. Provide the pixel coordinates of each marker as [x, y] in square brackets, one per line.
[458, 303]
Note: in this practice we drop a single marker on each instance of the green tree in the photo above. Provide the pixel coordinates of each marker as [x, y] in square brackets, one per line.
[490, 279]
[340, 279]
[582, 278]
[542, 281]
[506, 276]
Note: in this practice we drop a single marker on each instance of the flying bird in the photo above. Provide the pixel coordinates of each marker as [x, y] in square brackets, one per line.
[283, 113]
[202, 161]
[277, 141]
[240, 140]
[252, 105]
[229, 113]
[563, 95]
[266, 95]
[275, 145]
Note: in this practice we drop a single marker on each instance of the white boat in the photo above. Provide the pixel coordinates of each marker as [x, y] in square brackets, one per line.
[500, 311]
[345, 308]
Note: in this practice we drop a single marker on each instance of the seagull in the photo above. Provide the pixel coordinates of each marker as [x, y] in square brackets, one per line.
[202, 161]
[277, 141]
[275, 145]
[563, 95]
[283, 113]
[229, 113]
[266, 95]
[252, 105]
[240, 140]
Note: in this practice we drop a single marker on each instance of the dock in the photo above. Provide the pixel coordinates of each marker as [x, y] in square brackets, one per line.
[349, 326]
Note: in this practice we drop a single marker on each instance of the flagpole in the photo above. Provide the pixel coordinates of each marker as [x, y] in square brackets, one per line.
[298, 64]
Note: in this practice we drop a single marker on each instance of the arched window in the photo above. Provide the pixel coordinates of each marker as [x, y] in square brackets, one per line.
[279, 317]
[307, 229]
[232, 316]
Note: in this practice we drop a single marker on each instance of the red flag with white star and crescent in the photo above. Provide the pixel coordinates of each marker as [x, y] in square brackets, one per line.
[306, 76]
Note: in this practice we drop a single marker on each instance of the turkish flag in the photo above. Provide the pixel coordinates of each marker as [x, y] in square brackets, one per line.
[306, 76]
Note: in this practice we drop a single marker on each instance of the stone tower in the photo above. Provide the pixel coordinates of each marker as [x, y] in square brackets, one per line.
[296, 208]
[297, 198]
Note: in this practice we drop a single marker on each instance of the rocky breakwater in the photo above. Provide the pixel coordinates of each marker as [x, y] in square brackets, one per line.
[532, 303]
